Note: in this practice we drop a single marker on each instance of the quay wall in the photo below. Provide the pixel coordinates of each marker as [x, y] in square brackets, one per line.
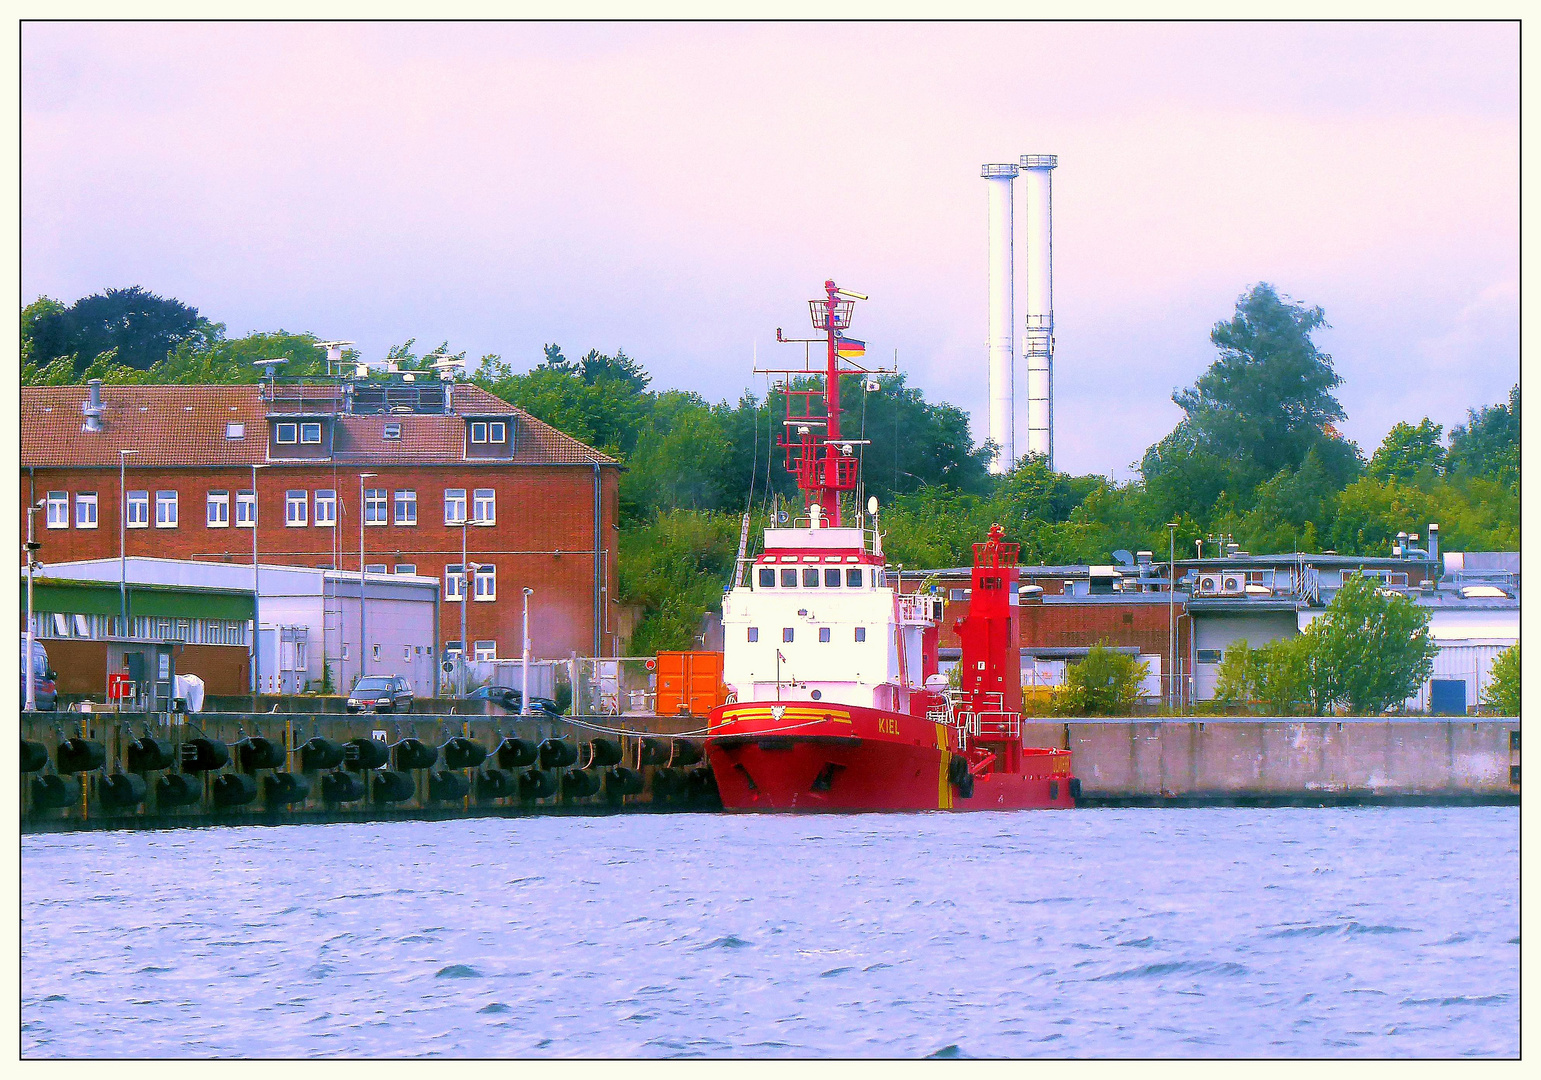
[1166, 761]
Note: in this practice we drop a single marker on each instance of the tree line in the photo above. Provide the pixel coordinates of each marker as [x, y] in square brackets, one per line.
[1257, 455]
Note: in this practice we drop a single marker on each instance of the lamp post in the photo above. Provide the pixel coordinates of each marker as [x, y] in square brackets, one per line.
[1171, 612]
[524, 668]
[27, 665]
[256, 595]
[363, 649]
[465, 592]
[123, 539]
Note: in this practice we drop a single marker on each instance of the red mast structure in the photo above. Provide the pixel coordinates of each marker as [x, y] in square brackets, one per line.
[823, 464]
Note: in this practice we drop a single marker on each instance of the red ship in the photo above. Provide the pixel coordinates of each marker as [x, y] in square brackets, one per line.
[836, 698]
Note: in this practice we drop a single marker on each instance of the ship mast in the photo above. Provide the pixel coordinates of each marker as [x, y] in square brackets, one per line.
[823, 463]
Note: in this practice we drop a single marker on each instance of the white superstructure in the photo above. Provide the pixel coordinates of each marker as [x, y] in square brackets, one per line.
[820, 620]
[1038, 341]
[1000, 344]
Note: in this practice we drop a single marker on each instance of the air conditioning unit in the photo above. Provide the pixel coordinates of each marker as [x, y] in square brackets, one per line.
[1233, 584]
[1209, 585]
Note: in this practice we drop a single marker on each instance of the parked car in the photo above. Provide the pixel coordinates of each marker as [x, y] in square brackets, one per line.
[512, 699]
[44, 691]
[381, 693]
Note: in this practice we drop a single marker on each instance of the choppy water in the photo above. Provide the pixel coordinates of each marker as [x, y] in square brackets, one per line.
[1224, 932]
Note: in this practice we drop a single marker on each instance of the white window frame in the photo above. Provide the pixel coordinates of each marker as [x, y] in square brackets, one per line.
[291, 430]
[376, 568]
[454, 582]
[404, 506]
[296, 508]
[307, 430]
[485, 650]
[235, 429]
[484, 499]
[404, 568]
[326, 500]
[497, 431]
[245, 509]
[392, 431]
[166, 509]
[484, 584]
[86, 501]
[452, 648]
[216, 510]
[58, 509]
[138, 507]
[377, 502]
[478, 431]
[453, 496]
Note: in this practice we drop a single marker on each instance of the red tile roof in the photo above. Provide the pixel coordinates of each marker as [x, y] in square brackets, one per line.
[185, 426]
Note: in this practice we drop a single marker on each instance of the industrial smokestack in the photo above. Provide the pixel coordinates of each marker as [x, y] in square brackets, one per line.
[1038, 344]
[1002, 353]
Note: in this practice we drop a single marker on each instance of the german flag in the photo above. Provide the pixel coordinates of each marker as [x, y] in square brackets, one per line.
[845, 346]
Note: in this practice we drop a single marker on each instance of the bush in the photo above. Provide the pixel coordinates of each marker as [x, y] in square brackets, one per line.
[1106, 683]
[1503, 693]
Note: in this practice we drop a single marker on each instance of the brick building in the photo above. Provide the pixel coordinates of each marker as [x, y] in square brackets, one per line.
[294, 463]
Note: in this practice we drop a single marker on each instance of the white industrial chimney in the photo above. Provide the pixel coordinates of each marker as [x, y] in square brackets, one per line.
[1038, 343]
[1002, 317]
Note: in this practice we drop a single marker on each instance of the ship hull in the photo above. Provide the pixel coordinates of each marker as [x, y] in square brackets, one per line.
[806, 757]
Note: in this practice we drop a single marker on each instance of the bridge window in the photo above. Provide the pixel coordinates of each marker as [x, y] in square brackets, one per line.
[853, 578]
[788, 578]
[811, 577]
[767, 578]
[754, 633]
[832, 577]
[786, 633]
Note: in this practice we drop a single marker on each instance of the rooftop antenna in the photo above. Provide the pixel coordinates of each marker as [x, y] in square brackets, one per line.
[269, 364]
[333, 354]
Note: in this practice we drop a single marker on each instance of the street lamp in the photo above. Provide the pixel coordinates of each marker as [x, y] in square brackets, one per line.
[122, 540]
[524, 668]
[1171, 612]
[362, 648]
[27, 664]
[465, 591]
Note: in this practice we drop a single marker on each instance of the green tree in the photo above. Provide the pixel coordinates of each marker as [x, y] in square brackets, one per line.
[1408, 451]
[1488, 444]
[1237, 674]
[1370, 648]
[676, 569]
[1282, 672]
[1371, 512]
[140, 325]
[1268, 398]
[1105, 683]
[1503, 693]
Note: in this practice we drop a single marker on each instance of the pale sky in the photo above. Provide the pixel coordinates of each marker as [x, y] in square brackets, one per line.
[681, 190]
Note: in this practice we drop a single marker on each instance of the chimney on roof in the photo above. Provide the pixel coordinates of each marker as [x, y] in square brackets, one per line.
[92, 408]
[1434, 545]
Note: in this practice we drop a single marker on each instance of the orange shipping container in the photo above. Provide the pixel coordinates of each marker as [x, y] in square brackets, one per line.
[689, 682]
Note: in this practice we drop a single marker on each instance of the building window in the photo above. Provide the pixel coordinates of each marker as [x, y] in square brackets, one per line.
[404, 568]
[310, 434]
[767, 578]
[376, 650]
[234, 430]
[345, 655]
[452, 648]
[406, 507]
[823, 633]
[861, 633]
[393, 431]
[1210, 656]
[374, 506]
[497, 432]
[285, 434]
[485, 506]
[788, 578]
[832, 577]
[165, 509]
[754, 633]
[58, 509]
[217, 510]
[957, 594]
[786, 633]
[85, 510]
[326, 508]
[479, 432]
[486, 582]
[245, 509]
[375, 568]
[454, 582]
[853, 577]
[454, 506]
[486, 650]
[810, 577]
[296, 507]
[138, 509]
